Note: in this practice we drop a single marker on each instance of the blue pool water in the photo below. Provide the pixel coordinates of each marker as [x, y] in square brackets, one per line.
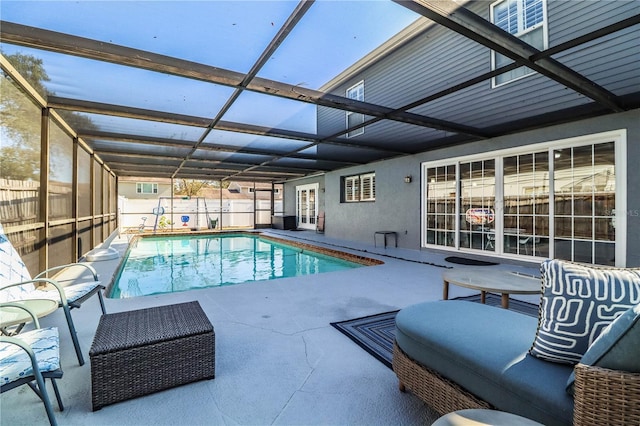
[155, 265]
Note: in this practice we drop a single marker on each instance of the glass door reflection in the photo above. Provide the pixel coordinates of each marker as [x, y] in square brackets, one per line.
[477, 189]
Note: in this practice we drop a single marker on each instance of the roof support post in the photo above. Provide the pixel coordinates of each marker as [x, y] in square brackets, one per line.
[75, 253]
[43, 251]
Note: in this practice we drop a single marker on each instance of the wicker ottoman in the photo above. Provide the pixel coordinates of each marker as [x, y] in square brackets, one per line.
[140, 352]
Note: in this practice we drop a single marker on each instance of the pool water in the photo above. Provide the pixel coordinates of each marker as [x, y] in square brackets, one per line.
[155, 265]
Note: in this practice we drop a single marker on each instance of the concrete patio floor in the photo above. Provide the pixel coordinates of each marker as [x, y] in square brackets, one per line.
[278, 361]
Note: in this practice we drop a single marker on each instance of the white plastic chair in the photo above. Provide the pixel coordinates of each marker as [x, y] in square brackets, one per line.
[17, 284]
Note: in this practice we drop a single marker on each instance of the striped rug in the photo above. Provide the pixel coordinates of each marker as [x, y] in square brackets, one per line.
[375, 333]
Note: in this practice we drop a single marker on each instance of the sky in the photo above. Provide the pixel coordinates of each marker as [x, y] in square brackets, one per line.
[226, 34]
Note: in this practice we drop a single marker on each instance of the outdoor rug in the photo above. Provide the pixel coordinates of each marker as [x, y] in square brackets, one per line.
[467, 261]
[375, 333]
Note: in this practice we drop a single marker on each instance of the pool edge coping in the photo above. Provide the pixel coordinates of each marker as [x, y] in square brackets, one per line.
[350, 257]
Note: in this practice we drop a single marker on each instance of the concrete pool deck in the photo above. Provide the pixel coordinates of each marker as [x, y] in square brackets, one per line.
[278, 361]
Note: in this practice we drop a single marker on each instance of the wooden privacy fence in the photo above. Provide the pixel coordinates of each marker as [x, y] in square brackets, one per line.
[20, 202]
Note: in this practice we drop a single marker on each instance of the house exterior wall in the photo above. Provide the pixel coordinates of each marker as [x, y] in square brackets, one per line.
[289, 195]
[128, 189]
[436, 59]
[439, 58]
[398, 205]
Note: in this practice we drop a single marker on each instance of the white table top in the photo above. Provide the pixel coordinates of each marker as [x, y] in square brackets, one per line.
[493, 280]
[478, 417]
[13, 316]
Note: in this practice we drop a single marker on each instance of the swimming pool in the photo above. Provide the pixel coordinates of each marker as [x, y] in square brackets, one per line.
[167, 264]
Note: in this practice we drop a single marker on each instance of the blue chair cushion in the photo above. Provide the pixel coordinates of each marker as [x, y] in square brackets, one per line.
[72, 292]
[578, 303]
[15, 364]
[485, 350]
[12, 270]
[617, 347]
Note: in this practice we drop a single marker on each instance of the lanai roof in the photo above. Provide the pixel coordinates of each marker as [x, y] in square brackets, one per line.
[205, 90]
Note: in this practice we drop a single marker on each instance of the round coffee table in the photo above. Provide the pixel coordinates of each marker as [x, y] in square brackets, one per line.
[15, 316]
[490, 280]
[479, 417]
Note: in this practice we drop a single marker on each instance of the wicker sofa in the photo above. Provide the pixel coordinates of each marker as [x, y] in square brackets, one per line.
[456, 355]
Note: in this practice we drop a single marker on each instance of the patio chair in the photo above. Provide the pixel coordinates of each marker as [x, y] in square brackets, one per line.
[527, 243]
[32, 356]
[320, 224]
[17, 284]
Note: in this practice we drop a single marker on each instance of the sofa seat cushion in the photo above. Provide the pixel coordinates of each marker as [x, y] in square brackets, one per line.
[485, 350]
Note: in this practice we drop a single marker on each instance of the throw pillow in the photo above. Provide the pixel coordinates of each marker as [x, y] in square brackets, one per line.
[578, 302]
[617, 348]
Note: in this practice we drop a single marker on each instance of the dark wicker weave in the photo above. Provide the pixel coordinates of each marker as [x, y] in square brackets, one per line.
[606, 397]
[140, 352]
[437, 392]
[603, 397]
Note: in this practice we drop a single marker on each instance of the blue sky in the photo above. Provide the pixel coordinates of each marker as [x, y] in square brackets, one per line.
[226, 34]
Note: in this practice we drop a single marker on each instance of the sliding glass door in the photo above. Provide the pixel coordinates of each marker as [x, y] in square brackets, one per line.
[441, 205]
[526, 204]
[557, 200]
[477, 196]
[585, 202]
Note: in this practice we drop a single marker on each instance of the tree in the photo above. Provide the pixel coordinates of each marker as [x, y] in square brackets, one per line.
[20, 121]
[19, 163]
[20, 126]
[190, 187]
[32, 70]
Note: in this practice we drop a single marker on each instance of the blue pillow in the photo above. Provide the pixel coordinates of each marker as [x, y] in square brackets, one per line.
[617, 348]
[578, 303]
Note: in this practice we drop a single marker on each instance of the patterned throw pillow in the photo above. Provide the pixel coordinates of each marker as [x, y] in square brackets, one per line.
[617, 348]
[578, 302]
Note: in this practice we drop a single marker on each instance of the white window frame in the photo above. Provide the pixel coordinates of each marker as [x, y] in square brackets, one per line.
[619, 137]
[351, 189]
[520, 34]
[371, 179]
[140, 188]
[355, 92]
[354, 188]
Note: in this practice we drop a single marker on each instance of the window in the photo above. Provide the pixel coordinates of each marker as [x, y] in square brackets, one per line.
[368, 183]
[354, 118]
[146, 188]
[441, 205]
[551, 200]
[585, 199]
[524, 19]
[359, 188]
[526, 204]
[477, 197]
